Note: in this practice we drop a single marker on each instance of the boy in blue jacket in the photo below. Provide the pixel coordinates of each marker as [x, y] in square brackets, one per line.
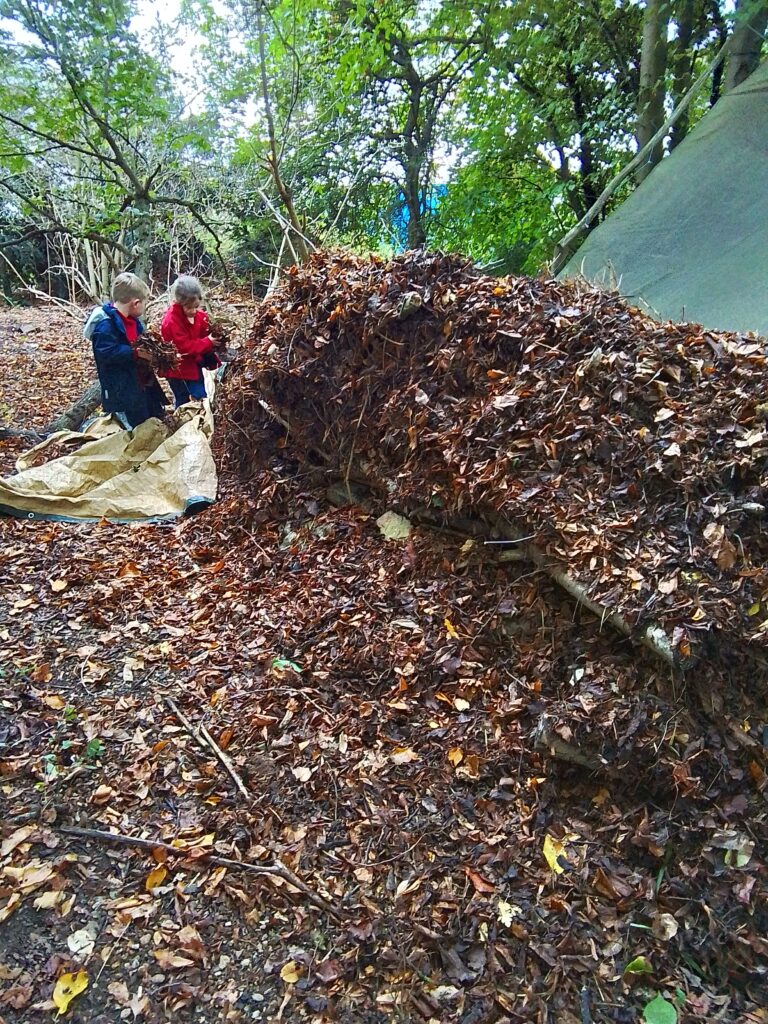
[129, 388]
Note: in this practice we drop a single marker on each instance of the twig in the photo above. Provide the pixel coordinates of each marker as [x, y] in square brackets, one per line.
[277, 869]
[226, 761]
[207, 742]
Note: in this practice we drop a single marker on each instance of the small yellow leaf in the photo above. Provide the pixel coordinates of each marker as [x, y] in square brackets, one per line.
[53, 700]
[460, 704]
[58, 585]
[755, 609]
[67, 987]
[553, 849]
[155, 877]
[455, 756]
[450, 629]
[290, 972]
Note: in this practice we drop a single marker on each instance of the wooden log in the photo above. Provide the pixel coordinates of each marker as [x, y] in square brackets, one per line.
[653, 636]
[73, 417]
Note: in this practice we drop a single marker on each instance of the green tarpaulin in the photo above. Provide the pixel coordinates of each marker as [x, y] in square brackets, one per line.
[691, 243]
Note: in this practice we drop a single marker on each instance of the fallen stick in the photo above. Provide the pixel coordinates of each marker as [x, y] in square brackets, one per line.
[652, 637]
[226, 761]
[207, 742]
[278, 869]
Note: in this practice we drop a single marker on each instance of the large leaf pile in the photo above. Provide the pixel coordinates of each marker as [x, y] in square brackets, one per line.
[633, 452]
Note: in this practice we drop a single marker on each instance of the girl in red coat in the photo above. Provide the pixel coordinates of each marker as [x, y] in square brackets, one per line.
[186, 325]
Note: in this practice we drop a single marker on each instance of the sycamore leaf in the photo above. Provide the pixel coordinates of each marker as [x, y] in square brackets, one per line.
[67, 987]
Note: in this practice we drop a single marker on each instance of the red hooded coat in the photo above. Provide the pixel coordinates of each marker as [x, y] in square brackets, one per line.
[191, 340]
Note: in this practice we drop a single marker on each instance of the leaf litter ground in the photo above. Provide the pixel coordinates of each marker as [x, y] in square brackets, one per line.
[382, 701]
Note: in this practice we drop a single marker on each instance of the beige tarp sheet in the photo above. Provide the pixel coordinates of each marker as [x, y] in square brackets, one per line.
[159, 470]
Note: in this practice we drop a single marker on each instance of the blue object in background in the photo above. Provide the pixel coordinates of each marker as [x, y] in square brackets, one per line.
[402, 214]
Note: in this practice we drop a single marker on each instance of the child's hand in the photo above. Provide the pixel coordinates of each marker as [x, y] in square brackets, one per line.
[142, 352]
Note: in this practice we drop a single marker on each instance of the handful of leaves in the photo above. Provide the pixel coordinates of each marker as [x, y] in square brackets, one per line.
[220, 331]
[163, 354]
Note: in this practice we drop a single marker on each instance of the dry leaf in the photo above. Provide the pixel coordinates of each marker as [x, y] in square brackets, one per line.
[155, 878]
[129, 569]
[82, 942]
[478, 881]
[665, 927]
[41, 674]
[53, 700]
[102, 795]
[13, 902]
[16, 839]
[67, 988]
[166, 958]
[553, 851]
[290, 972]
[403, 755]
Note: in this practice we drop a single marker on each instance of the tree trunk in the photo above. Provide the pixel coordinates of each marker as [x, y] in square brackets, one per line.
[417, 236]
[746, 41]
[683, 57]
[653, 66]
[713, 9]
[142, 238]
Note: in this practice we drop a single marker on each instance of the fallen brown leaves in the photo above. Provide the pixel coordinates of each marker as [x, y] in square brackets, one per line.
[380, 701]
[632, 452]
